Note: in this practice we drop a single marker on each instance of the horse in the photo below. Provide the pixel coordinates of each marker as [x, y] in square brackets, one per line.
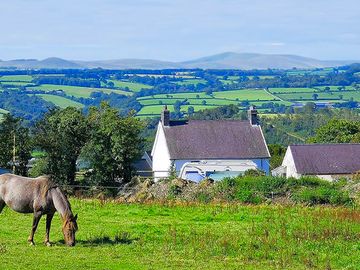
[39, 196]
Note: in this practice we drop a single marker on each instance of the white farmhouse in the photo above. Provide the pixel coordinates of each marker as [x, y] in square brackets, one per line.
[196, 149]
[327, 161]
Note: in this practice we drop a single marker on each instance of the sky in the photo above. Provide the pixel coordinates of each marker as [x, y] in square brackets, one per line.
[178, 30]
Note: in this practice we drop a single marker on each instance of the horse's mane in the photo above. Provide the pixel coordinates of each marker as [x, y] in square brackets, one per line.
[46, 184]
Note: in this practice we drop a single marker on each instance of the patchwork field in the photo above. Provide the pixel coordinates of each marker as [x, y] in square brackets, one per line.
[135, 87]
[153, 105]
[16, 78]
[135, 236]
[191, 81]
[76, 91]
[61, 102]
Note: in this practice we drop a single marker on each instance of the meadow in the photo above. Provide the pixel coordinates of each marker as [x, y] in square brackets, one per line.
[76, 91]
[153, 104]
[61, 102]
[188, 236]
[16, 78]
[135, 87]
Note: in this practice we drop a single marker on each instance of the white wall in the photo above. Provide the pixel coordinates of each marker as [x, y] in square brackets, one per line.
[289, 163]
[160, 155]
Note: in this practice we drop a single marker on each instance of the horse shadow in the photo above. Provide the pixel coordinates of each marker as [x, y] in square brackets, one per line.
[119, 239]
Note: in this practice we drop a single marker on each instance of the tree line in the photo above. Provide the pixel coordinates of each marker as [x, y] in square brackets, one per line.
[105, 141]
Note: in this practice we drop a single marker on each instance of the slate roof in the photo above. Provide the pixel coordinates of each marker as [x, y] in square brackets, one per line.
[324, 159]
[215, 139]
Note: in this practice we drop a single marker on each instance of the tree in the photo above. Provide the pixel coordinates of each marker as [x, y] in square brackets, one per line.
[115, 143]
[337, 131]
[13, 136]
[191, 111]
[62, 134]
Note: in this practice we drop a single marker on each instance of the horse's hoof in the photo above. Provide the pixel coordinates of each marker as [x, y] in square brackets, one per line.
[32, 243]
[48, 244]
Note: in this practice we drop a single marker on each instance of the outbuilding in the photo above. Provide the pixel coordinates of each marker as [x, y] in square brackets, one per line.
[327, 161]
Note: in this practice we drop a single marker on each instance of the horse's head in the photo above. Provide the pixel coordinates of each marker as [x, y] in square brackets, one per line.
[69, 229]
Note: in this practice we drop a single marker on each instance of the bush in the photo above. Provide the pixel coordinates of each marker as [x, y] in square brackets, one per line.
[322, 195]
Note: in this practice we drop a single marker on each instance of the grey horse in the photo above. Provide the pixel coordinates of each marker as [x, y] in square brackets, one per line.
[39, 196]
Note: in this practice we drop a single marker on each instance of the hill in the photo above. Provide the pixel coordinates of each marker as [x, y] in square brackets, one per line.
[228, 60]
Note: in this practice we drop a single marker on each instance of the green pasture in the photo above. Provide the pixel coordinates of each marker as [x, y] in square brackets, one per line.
[156, 109]
[347, 95]
[259, 103]
[335, 87]
[227, 81]
[13, 83]
[244, 94]
[179, 96]
[201, 236]
[76, 91]
[292, 90]
[191, 81]
[192, 101]
[61, 102]
[16, 78]
[135, 87]
[309, 96]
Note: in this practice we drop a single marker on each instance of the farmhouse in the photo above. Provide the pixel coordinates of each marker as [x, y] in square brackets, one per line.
[327, 161]
[196, 149]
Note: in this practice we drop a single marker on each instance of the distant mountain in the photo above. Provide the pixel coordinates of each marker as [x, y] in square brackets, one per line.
[232, 60]
[228, 60]
[52, 63]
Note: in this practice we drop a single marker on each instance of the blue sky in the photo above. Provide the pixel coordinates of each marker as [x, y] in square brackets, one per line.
[178, 30]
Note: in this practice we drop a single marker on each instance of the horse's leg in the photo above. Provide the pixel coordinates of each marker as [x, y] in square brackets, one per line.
[37, 216]
[2, 205]
[48, 225]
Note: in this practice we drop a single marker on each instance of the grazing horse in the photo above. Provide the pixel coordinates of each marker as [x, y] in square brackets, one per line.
[39, 196]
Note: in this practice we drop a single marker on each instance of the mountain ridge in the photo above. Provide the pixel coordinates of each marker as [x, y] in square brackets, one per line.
[225, 60]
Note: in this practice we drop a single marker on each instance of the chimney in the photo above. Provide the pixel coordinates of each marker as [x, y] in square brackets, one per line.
[165, 117]
[253, 116]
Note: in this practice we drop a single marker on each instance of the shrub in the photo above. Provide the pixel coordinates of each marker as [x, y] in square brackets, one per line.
[322, 195]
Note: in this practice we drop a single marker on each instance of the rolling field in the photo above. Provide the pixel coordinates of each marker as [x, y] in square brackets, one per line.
[192, 101]
[13, 83]
[61, 102]
[321, 95]
[244, 94]
[76, 91]
[2, 112]
[292, 90]
[135, 236]
[191, 81]
[16, 78]
[153, 105]
[135, 87]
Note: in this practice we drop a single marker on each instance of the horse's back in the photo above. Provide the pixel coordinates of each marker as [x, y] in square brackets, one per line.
[23, 194]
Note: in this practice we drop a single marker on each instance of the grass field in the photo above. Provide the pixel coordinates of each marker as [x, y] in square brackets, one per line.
[13, 83]
[292, 90]
[61, 102]
[76, 91]
[153, 104]
[16, 78]
[133, 236]
[244, 94]
[191, 81]
[192, 101]
[135, 87]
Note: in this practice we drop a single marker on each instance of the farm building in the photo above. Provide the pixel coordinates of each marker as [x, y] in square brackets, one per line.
[327, 161]
[196, 149]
